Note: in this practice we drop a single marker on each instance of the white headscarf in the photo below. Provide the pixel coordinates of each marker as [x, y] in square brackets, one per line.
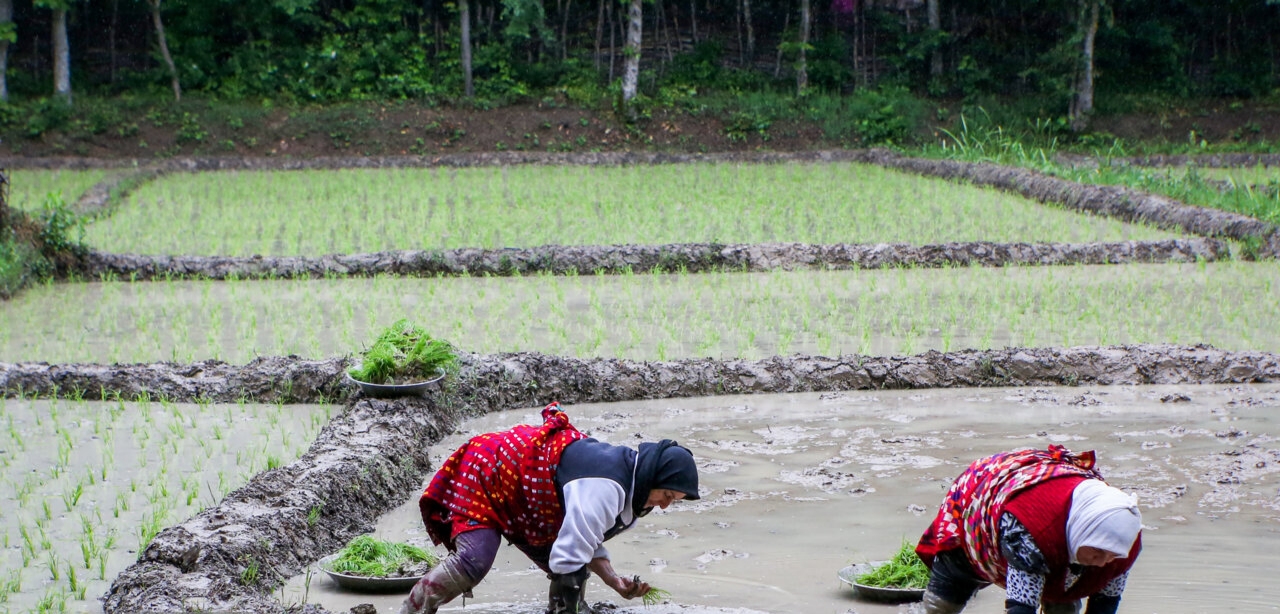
[1102, 517]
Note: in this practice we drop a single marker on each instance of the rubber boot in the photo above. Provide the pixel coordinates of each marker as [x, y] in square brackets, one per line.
[568, 593]
[933, 604]
[1071, 607]
[437, 588]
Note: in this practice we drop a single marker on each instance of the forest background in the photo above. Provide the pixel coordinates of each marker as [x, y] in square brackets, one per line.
[161, 78]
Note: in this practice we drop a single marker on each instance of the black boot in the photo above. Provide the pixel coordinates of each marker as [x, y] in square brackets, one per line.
[567, 594]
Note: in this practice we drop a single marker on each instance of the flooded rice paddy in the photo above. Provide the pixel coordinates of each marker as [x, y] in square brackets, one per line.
[796, 487]
[286, 213]
[85, 485]
[1230, 305]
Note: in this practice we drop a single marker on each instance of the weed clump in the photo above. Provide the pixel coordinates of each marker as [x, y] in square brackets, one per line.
[904, 570]
[403, 353]
[371, 557]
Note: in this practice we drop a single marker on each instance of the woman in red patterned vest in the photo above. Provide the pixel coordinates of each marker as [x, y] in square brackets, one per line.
[555, 494]
[1040, 523]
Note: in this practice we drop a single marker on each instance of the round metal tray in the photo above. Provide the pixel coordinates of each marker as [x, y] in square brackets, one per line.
[877, 593]
[367, 584]
[384, 391]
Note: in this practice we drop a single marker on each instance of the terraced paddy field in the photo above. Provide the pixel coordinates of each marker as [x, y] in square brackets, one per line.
[316, 212]
[30, 187]
[188, 360]
[88, 484]
[1230, 305]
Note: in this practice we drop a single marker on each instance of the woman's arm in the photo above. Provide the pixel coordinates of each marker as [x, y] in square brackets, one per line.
[591, 507]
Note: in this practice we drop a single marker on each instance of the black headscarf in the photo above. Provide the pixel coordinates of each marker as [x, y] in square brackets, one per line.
[665, 464]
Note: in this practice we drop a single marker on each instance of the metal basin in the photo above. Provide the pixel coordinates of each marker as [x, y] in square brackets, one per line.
[877, 593]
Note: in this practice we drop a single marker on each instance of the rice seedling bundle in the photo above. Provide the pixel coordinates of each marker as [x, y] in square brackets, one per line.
[904, 570]
[369, 556]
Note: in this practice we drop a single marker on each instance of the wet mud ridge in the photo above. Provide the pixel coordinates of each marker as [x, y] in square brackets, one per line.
[691, 257]
[503, 381]
[374, 455]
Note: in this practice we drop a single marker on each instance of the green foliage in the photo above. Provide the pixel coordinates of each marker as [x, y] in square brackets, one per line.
[904, 570]
[20, 265]
[889, 115]
[403, 350]
[62, 231]
[369, 556]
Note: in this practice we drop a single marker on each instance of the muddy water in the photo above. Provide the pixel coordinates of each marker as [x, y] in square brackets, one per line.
[795, 487]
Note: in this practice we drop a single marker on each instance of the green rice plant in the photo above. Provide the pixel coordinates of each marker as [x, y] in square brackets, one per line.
[369, 556]
[655, 596]
[11, 584]
[249, 575]
[904, 570]
[313, 515]
[403, 351]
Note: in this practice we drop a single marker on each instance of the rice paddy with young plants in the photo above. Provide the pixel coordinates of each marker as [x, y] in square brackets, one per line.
[85, 485]
[284, 213]
[975, 142]
[1242, 175]
[1230, 305]
[28, 188]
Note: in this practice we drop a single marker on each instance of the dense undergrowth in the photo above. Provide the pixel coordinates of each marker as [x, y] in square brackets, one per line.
[38, 248]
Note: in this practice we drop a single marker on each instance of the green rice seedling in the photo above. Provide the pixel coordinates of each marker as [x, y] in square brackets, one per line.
[403, 350]
[369, 556]
[904, 570]
[655, 596]
[249, 575]
[12, 584]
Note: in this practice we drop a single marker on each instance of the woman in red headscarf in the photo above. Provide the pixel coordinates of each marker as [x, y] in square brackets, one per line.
[554, 493]
[1040, 523]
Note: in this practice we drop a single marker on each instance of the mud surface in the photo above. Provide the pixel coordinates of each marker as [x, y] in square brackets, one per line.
[488, 383]
[368, 460]
[645, 258]
[795, 487]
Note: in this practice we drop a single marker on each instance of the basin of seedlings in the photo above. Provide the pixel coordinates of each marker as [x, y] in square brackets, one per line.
[370, 565]
[900, 579]
[403, 361]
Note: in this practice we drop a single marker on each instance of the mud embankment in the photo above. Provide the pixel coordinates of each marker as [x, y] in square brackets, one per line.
[1111, 201]
[502, 381]
[375, 454]
[691, 257]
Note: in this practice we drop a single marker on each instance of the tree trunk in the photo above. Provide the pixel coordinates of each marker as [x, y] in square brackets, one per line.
[164, 49]
[1082, 100]
[802, 71]
[751, 32]
[6, 18]
[61, 57]
[599, 31]
[464, 14]
[693, 18]
[786, 23]
[631, 54]
[111, 36]
[935, 26]
[564, 31]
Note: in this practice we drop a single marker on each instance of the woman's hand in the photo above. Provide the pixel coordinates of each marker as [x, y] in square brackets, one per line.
[629, 588]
